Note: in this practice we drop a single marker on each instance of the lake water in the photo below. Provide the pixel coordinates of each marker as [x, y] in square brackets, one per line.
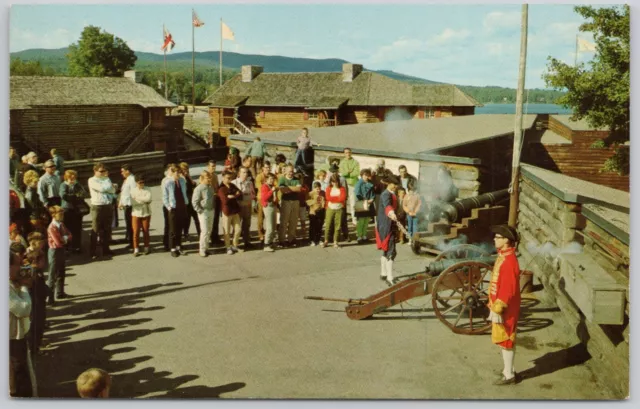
[527, 109]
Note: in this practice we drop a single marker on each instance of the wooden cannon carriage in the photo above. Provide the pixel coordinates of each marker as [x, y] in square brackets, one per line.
[458, 282]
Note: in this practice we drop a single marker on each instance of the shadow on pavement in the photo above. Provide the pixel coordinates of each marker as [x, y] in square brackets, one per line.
[73, 348]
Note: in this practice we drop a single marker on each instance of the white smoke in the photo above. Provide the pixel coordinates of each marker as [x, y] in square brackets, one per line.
[397, 114]
[548, 249]
[551, 251]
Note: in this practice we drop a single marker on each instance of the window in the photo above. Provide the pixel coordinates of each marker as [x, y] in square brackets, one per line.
[313, 115]
[429, 113]
[75, 118]
[92, 118]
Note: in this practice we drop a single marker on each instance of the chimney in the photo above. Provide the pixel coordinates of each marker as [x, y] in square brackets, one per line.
[350, 71]
[135, 76]
[249, 72]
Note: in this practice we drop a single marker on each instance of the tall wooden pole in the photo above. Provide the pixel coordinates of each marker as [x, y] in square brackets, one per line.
[220, 52]
[575, 61]
[517, 132]
[193, 63]
[165, 67]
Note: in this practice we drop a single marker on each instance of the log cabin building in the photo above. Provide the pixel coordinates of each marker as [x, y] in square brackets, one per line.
[254, 101]
[559, 144]
[87, 117]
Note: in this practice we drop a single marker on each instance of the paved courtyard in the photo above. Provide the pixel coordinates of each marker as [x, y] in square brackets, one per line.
[238, 327]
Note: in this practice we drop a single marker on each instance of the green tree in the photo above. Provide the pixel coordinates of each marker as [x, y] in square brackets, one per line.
[99, 54]
[599, 91]
[29, 68]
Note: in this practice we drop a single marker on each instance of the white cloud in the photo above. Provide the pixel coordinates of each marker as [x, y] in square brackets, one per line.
[144, 46]
[500, 20]
[400, 50]
[449, 35]
[25, 39]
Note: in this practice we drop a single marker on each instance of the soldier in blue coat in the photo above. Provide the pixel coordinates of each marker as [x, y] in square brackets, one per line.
[386, 227]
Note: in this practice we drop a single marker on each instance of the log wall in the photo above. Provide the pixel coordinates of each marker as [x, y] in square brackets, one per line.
[577, 159]
[465, 177]
[270, 119]
[74, 130]
[545, 218]
[150, 164]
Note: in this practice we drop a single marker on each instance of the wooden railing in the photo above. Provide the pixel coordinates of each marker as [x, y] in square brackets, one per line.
[325, 122]
[131, 134]
[227, 121]
[240, 127]
[138, 141]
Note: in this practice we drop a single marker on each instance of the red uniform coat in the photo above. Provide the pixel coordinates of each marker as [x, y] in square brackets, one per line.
[504, 297]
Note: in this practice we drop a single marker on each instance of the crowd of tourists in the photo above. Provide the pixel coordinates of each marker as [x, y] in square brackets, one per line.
[294, 206]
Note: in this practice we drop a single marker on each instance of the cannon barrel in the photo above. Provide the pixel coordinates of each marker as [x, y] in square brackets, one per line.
[454, 212]
[436, 267]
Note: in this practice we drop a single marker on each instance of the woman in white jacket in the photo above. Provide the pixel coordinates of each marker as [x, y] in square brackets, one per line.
[140, 214]
[203, 203]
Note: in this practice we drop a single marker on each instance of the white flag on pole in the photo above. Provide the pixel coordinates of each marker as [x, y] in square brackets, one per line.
[227, 34]
[584, 45]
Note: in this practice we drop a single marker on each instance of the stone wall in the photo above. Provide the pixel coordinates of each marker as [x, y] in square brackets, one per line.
[545, 218]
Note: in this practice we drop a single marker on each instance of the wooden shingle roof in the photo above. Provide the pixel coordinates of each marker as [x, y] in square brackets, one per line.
[366, 89]
[26, 92]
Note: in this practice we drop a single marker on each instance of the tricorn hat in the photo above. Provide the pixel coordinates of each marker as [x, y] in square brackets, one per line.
[505, 231]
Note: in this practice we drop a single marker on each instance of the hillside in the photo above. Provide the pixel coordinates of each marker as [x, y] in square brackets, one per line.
[207, 66]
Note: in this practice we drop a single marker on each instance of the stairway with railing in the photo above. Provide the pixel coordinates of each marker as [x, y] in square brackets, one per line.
[240, 127]
[138, 141]
[131, 134]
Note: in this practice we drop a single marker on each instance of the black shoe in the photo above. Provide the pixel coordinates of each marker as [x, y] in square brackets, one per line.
[504, 381]
[292, 244]
[249, 246]
[63, 296]
[175, 254]
[94, 257]
[147, 251]
[108, 253]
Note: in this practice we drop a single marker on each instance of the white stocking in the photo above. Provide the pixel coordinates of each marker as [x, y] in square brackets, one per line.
[383, 267]
[507, 357]
[389, 270]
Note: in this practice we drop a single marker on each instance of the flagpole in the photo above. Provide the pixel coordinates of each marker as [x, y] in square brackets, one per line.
[221, 52]
[193, 64]
[165, 67]
[517, 133]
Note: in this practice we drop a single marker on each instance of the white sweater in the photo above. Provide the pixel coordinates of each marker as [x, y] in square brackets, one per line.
[19, 311]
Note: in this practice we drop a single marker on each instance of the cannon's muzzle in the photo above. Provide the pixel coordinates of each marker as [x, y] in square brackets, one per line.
[454, 212]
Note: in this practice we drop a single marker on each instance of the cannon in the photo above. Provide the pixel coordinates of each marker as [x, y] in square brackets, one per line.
[454, 211]
[470, 217]
[458, 288]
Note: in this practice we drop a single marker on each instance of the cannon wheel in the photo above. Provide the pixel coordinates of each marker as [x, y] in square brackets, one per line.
[460, 295]
[462, 251]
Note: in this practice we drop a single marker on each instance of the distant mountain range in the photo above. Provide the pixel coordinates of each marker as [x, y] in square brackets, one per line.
[181, 62]
[56, 59]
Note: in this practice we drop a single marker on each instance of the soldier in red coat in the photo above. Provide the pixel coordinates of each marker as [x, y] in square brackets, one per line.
[504, 299]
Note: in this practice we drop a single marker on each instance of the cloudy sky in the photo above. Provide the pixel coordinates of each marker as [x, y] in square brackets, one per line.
[461, 44]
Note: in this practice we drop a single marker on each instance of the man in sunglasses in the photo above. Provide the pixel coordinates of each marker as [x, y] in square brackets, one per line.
[49, 186]
[102, 194]
[504, 299]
